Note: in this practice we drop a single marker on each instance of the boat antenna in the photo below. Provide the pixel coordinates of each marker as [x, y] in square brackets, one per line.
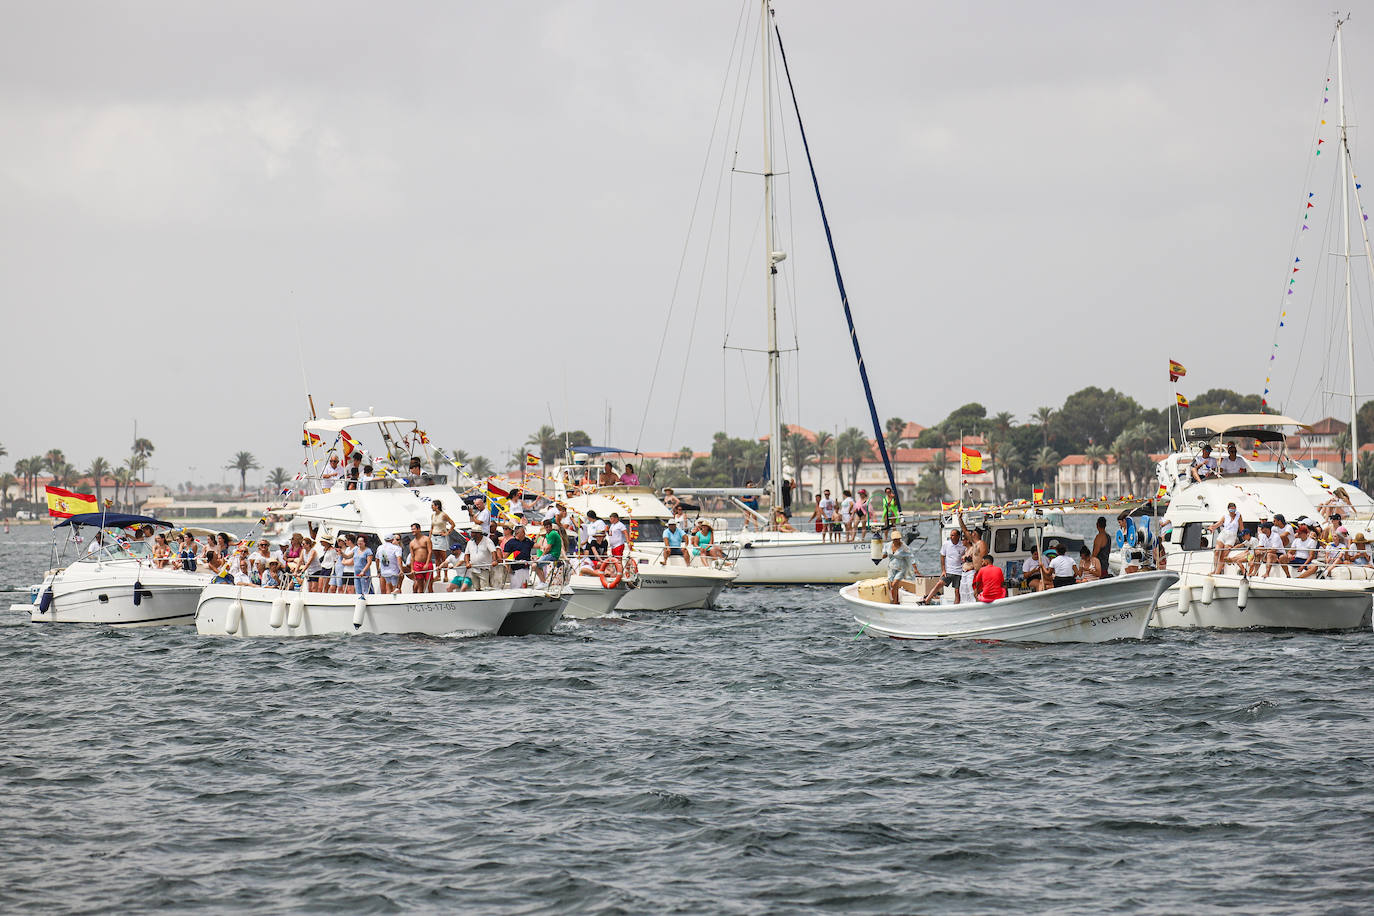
[839, 282]
[300, 355]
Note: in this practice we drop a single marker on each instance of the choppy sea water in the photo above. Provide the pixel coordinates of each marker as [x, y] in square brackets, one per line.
[755, 758]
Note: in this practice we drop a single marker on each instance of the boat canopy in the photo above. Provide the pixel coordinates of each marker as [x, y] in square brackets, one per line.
[718, 491]
[1232, 422]
[111, 520]
[332, 426]
[601, 450]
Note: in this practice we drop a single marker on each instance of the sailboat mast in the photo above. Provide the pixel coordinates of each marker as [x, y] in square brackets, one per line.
[1345, 238]
[771, 262]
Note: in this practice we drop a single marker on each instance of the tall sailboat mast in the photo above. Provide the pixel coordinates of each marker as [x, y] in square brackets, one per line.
[771, 258]
[1345, 239]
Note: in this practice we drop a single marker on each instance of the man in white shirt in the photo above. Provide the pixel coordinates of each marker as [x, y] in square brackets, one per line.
[1304, 554]
[1270, 549]
[1232, 463]
[827, 507]
[477, 557]
[951, 565]
[1204, 465]
[483, 518]
[1062, 566]
[331, 473]
[618, 535]
[389, 564]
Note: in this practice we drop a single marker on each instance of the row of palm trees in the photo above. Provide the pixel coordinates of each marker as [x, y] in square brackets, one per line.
[54, 464]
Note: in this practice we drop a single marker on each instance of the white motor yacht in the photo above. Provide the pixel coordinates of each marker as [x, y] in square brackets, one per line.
[117, 582]
[1338, 597]
[380, 508]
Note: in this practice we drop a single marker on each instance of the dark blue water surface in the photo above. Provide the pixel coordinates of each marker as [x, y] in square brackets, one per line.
[755, 758]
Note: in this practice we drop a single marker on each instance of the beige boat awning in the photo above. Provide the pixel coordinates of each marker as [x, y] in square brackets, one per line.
[1224, 422]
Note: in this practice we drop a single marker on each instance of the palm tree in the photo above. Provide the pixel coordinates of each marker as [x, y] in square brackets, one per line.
[1096, 455]
[853, 447]
[894, 427]
[3, 451]
[1010, 461]
[279, 478]
[1002, 422]
[21, 470]
[648, 470]
[481, 467]
[54, 459]
[545, 439]
[1342, 444]
[1047, 463]
[1043, 416]
[243, 463]
[121, 479]
[7, 480]
[143, 448]
[822, 447]
[36, 466]
[798, 449]
[133, 464]
[98, 469]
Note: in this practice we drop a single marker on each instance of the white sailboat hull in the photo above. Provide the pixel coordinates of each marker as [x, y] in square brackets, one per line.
[766, 558]
[504, 612]
[104, 594]
[1101, 611]
[1271, 603]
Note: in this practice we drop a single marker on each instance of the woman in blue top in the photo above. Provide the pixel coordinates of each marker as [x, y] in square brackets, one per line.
[704, 538]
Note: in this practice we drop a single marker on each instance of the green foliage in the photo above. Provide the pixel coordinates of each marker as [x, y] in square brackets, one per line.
[1222, 400]
[1092, 415]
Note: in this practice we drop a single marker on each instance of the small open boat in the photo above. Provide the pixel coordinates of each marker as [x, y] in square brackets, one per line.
[1101, 611]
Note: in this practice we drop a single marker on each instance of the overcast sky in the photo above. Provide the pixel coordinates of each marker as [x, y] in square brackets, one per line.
[475, 214]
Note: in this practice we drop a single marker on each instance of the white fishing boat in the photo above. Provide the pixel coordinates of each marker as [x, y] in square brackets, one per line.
[1100, 611]
[1337, 598]
[591, 597]
[117, 583]
[383, 507]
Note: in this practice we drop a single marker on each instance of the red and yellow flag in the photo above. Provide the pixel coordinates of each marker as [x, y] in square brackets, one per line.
[311, 439]
[64, 503]
[1182, 401]
[1176, 370]
[947, 505]
[531, 459]
[971, 461]
[349, 444]
[1159, 494]
[1038, 495]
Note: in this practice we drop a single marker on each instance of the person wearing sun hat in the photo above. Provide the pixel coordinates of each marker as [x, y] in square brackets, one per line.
[901, 567]
[1359, 550]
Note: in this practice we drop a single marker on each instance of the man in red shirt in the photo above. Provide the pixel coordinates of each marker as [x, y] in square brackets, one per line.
[987, 581]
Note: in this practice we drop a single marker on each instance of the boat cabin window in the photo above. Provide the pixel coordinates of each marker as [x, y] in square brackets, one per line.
[135, 550]
[1194, 538]
[1004, 541]
[651, 530]
[1031, 539]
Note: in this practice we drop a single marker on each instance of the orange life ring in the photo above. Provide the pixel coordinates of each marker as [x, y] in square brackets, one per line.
[615, 577]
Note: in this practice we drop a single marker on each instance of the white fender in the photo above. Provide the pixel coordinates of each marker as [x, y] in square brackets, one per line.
[234, 617]
[875, 549]
[296, 614]
[359, 610]
[1243, 595]
[278, 615]
[1209, 590]
[1185, 599]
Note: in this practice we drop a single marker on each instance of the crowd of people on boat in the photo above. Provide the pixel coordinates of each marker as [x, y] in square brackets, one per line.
[1302, 548]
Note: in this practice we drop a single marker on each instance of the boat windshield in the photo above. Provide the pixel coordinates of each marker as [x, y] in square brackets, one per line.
[129, 550]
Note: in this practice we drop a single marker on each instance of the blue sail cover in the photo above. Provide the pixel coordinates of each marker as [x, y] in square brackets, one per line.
[839, 281]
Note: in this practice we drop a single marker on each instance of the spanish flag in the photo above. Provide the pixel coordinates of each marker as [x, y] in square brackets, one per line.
[500, 499]
[64, 503]
[349, 444]
[971, 461]
[531, 459]
[311, 439]
[1038, 495]
[1176, 370]
[1159, 494]
[1182, 401]
[424, 437]
[945, 505]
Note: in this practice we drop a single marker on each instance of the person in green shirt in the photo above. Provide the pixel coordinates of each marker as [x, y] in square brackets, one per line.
[890, 514]
[553, 550]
